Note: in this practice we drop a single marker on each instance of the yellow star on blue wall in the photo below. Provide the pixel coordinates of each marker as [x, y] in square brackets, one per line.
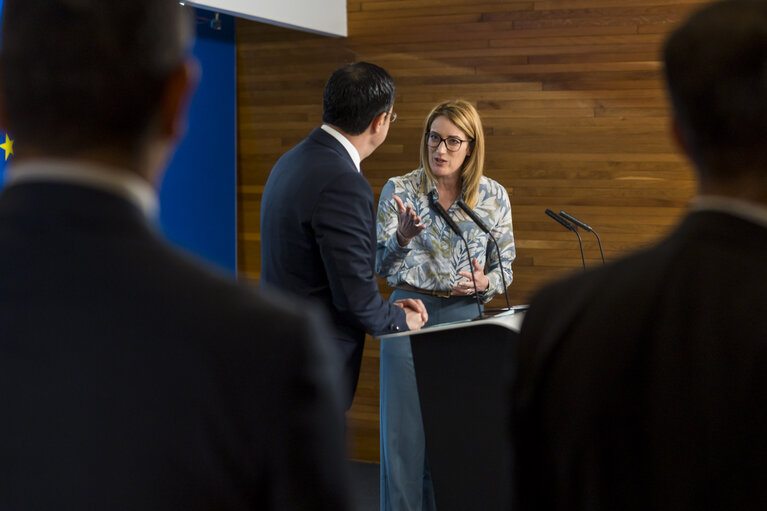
[7, 147]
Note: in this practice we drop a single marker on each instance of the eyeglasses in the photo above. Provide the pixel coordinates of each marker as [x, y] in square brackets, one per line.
[452, 144]
[393, 117]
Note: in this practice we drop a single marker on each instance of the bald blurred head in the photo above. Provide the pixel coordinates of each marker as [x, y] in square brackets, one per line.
[716, 69]
[76, 74]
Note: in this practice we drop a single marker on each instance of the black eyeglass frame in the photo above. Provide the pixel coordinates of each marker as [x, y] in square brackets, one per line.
[441, 140]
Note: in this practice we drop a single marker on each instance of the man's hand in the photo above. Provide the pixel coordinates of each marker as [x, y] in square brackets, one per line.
[409, 224]
[415, 312]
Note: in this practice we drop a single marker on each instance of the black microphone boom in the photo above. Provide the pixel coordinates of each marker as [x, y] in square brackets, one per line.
[583, 225]
[465, 207]
[441, 211]
[564, 223]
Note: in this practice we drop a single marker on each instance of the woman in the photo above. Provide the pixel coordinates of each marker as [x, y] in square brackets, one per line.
[422, 258]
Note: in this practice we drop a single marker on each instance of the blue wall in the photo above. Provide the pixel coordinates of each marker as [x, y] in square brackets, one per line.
[198, 195]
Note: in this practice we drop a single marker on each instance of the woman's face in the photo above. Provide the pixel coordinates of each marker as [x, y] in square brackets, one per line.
[448, 147]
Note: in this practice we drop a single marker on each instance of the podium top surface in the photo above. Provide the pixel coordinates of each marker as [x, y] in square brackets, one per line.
[511, 320]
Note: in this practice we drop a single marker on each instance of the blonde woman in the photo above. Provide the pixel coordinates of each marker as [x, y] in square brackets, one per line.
[421, 257]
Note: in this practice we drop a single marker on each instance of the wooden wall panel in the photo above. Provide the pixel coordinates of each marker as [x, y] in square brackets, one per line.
[573, 105]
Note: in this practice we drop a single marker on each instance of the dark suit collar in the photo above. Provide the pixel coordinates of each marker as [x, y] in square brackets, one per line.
[71, 206]
[319, 136]
[747, 210]
[117, 181]
[345, 142]
[719, 228]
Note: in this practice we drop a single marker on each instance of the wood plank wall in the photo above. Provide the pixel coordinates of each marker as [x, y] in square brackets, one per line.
[574, 112]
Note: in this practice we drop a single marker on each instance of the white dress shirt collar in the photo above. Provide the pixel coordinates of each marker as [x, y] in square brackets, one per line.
[747, 210]
[355, 155]
[120, 182]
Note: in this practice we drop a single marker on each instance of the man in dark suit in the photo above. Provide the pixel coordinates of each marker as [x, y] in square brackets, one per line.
[132, 377]
[318, 216]
[642, 385]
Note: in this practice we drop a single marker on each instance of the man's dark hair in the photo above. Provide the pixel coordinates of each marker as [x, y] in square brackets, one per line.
[716, 68]
[355, 94]
[81, 74]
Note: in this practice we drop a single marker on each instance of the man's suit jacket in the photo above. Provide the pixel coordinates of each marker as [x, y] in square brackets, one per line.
[643, 385]
[131, 377]
[318, 240]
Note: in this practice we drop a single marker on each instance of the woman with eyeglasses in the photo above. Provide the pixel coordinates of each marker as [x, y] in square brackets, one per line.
[421, 257]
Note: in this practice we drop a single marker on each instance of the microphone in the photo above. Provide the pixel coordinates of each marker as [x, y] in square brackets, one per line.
[583, 225]
[564, 223]
[475, 218]
[454, 227]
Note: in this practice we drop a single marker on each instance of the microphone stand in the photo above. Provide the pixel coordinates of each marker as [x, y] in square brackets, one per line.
[465, 207]
[583, 225]
[454, 227]
[564, 223]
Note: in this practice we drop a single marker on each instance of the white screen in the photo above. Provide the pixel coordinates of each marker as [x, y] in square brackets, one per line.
[323, 16]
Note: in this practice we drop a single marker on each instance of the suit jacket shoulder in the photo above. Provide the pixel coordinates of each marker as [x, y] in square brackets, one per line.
[627, 375]
[318, 236]
[124, 359]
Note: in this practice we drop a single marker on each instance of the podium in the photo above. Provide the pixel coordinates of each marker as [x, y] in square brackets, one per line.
[463, 371]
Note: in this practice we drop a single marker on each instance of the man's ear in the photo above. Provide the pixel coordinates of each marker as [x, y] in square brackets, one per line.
[378, 123]
[177, 94]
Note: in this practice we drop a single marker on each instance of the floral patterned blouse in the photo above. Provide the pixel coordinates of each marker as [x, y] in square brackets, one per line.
[433, 259]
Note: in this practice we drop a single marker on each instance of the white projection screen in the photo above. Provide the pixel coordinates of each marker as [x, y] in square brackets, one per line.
[321, 16]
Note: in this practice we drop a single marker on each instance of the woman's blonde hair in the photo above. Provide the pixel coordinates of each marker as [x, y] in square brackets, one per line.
[465, 117]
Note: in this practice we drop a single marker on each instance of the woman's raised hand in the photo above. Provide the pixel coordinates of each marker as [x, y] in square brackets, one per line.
[409, 224]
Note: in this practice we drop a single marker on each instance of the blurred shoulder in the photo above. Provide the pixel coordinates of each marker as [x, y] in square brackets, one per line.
[615, 289]
[190, 284]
